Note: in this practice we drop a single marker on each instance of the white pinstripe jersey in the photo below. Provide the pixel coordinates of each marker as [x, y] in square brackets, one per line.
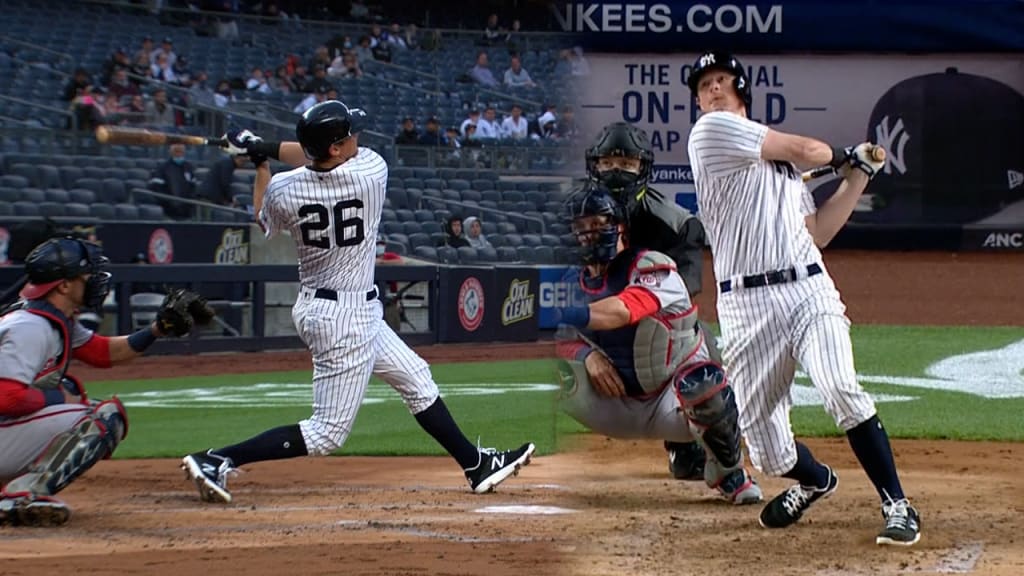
[333, 217]
[753, 209]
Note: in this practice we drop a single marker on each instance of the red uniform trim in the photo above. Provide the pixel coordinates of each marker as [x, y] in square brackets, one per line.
[640, 302]
[95, 352]
[19, 399]
[569, 350]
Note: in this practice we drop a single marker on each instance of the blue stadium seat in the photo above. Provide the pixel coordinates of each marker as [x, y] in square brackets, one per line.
[410, 227]
[487, 255]
[405, 215]
[414, 196]
[96, 172]
[390, 227]
[459, 184]
[526, 186]
[14, 181]
[102, 211]
[51, 209]
[430, 227]
[401, 172]
[544, 254]
[526, 253]
[550, 240]
[23, 208]
[76, 210]
[9, 195]
[138, 173]
[28, 172]
[532, 240]
[401, 238]
[81, 195]
[424, 172]
[513, 196]
[471, 196]
[424, 216]
[388, 215]
[91, 184]
[438, 238]
[433, 183]
[514, 240]
[6, 209]
[491, 195]
[506, 228]
[507, 254]
[32, 195]
[451, 195]
[397, 247]
[411, 182]
[123, 211]
[114, 190]
[467, 255]
[151, 212]
[57, 195]
[488, 175]
[479, 184]
[399, 197]
[447, 174]
[488, 228]
[537, 198]
[69, 175]
[426, 253]
[447, 255]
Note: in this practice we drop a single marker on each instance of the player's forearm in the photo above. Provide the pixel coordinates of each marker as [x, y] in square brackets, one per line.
[605, 314]
[833, 214]
[259, 186]
[125, 348]
[291, 154]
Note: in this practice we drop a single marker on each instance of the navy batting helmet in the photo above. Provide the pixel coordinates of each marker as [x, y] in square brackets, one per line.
[598, 244]
[325, 124]
[721, 61]
[625, 140]
[59, 259]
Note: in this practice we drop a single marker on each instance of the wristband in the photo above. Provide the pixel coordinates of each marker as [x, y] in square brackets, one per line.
[141, 340]
[578, 316]
[270, 149]
[53, 396]
[839, 157]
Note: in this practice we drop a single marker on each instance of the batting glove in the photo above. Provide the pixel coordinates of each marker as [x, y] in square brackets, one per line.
[861, 159]
[238, 140]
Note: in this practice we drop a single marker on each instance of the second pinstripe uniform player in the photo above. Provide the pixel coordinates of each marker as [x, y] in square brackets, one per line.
[777, 304]
[332, 209]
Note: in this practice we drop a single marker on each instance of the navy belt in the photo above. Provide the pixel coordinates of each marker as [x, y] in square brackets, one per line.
[328, 294]
[769, 278]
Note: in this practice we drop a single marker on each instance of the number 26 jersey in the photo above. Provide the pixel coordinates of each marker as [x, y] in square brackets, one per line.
[333, 216]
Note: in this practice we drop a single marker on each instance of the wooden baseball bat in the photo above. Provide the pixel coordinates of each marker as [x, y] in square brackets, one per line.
[877, 154]
[141, 137]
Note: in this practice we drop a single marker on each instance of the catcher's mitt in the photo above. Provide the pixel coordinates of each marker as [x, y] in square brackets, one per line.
[181, 310]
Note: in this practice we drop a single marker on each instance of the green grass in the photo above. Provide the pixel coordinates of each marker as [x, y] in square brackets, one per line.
[513, 416]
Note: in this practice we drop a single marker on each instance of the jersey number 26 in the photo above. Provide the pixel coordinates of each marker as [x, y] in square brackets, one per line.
[318, 218]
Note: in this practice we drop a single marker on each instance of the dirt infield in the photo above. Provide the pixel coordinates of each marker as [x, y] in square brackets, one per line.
[606, 508]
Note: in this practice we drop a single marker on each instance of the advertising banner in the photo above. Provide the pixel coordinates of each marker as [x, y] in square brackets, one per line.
[953, 125]
[558, 289]
[940, 26]
[157, 243]
[467, 296]
[515, 313]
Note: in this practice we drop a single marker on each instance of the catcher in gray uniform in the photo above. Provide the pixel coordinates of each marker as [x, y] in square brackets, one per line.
[50, 431]
[634, 363]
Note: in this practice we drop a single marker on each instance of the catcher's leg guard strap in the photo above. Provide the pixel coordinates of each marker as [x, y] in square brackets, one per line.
[71, 453]
[710, 406]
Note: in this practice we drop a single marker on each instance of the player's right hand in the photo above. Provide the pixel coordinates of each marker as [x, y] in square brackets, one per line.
[237, 142]
[603, 375]
[861, 158]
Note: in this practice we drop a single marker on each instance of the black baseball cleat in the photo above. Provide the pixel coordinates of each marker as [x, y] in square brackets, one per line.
[685, 460]
[789, 506]
[494, 467]
[902, 524]
[210, 474]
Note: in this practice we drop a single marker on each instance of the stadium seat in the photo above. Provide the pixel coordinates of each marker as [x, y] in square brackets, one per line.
[459, 184]
[413, 183]
[438, 238]
[482, 184]
[430, 227]
[487, 255]
[151, 212]
[414, 197]
[424, 172]
[550, 240]
[447, 174]
[51, 209]
[410, 227]
[514, 240]
[32, 195]
[507, 254]
[28, 172]
[123, 211]
[81, 195]
[433, 183]
[23, 208]
[513, 196]
[532, 240]
[115, 192]
[401, 172]
[399, 197]
[242, 200]
[6, 209]
[538, 199]
[69, 175]
[526, 253]
[95, 172]
[142, 174]
[76, 210]
[388, 215]
[102, 211]
[506, 228]
[467, 255]
[420, 239]
[447, 255]
[544, 254]
[57, 195]
[91, 184]
[9, 195]
[14, 181]
[390, 227]
[471, 196]
[426, 253]
[404, 215]
[400, 238]
[424, 215]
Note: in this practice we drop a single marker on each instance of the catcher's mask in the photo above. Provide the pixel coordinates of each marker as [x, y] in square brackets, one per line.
[596, 217]
[59, 259]
[620, 139]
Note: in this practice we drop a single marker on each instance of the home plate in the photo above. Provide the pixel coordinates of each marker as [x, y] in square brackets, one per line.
[523, 510]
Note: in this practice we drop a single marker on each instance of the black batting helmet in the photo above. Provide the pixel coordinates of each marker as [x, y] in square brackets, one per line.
[325, 124]
[721, 61]
[595, 199]
[59, 259]
[626, 140]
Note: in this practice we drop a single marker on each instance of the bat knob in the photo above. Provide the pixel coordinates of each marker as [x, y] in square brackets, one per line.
[102, 134]
[878, 154]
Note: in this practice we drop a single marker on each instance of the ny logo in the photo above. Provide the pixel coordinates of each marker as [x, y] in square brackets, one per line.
[706, 60]
[498, 462]
[885, 138]
[1014, 179]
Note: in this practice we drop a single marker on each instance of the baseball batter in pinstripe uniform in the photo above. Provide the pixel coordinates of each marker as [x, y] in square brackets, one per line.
[777, 304]
[332, 209]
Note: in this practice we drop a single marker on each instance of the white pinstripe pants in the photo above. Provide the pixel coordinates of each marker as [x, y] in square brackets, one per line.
[767, 330]
[350, 341]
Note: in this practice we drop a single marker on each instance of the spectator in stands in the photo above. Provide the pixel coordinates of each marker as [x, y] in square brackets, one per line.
[135, 112]
[321, 58]
[493, 34]
[514, 126]
[411, 37]
[281, 82]
[158, 111]
[182, 71]
[87, 111]
[359, 11]
[144, 52]
[474, 233]
[321, 94]
[470, 138]
[118, 60]
[120, 86]
[472, 118]
[345, 66]
[567, 128]
[77, 85]
[381, 52]
[258, 81]
[319, 80]
[376, 36]
[453, 232]
[408, 135]
[176, 177]
[480, 73]
[167, 49]
[224, 25]
[547, 122]
[488, 127]
[512, 37]
[516, 76]
[301, 80]
[216, 186]
[222, 96]
[363, 51]
[578, 64]
[432, 135]
[395, 38]
[162, 70]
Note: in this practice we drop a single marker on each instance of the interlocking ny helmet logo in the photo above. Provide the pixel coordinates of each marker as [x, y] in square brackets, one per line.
[893, 140]
[1014, 179]
[706, 60]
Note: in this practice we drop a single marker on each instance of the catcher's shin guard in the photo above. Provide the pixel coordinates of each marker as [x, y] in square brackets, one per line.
[71, 453]
[710, 407]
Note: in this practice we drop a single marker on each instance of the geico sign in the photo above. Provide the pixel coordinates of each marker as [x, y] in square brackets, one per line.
[1004, 240]
[558, 295]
